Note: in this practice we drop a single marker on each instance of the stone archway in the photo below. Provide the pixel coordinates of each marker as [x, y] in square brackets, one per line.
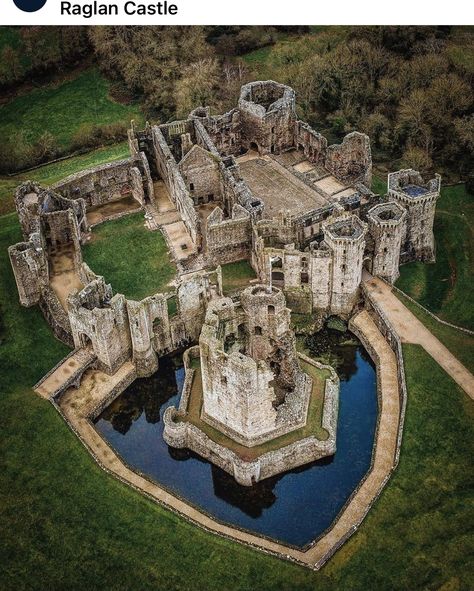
[85, 341]
[367, 264]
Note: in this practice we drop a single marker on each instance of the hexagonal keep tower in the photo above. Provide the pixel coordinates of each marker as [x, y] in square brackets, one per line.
[253, 387]
[268, 116]
[247, 404]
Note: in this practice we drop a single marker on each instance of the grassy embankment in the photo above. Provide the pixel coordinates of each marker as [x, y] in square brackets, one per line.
[66, 524]
[63, 108]
[445, 287]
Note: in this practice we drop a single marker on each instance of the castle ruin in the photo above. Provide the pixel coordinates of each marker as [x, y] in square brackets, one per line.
[254, 184]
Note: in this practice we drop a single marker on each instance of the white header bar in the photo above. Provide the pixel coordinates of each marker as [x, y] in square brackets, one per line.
[241, 12]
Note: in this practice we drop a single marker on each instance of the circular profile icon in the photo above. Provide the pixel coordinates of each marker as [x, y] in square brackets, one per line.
[29, 5]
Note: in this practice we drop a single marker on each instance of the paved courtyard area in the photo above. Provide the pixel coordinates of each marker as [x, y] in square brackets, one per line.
[272, 180]
[278, 188]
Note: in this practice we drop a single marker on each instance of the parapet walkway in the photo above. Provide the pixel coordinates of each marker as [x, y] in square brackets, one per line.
[97, 389]
[411, 330]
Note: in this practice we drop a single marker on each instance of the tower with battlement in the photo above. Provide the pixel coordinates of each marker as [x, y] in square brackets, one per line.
[386, 226]
[418, 197]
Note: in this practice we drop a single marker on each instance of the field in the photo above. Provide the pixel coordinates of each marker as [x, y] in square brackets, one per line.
[130, 257]
[63, 109]
[52, 173]
[445, 287]
[66, 524]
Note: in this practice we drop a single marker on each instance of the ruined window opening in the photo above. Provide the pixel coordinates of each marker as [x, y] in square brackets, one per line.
[343, 267]
[278, 276]
[271, 310]
[156, 324]
[211, 196]
[304, 278]
[257, 330]
[385, 249]
[191, 186]
[277, 263]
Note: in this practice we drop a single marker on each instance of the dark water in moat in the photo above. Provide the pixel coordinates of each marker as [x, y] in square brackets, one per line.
[295, 507]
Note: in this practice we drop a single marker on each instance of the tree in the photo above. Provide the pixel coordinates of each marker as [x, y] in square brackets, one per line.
[11, 69]
[197, 85]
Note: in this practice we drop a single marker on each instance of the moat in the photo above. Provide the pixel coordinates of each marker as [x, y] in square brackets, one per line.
[295, 507]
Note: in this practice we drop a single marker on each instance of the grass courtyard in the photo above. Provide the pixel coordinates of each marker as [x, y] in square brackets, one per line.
[130, 257]
[67, 525]
[236, 276]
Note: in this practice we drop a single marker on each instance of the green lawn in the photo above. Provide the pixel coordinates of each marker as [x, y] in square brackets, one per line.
[52, 173]
[67, 525]
[445, 287]
[63, 108]
[236, 276]
[130, 257]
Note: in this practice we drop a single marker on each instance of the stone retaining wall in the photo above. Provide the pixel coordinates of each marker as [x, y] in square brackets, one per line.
[387, 330]
[183, 434]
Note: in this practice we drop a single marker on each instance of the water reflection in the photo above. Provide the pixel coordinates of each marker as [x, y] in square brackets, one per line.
[294, 507]
[144, 395]
[338, 349]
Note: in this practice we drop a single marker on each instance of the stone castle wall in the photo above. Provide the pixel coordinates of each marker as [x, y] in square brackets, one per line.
[169, 172]
[105, 183]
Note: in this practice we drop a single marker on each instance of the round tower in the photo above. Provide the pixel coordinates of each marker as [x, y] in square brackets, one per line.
[268, 116]
[346, 238]
[418, 197]
[387, 226]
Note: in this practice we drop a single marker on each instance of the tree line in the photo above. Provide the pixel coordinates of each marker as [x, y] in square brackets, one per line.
[409, 88]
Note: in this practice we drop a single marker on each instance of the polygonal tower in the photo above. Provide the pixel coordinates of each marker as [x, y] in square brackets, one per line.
[418, 197]
[387, 226]
[251, 381]
[268, 116]
[346, 238]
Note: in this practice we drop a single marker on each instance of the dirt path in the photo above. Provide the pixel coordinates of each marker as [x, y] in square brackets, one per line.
[63, 275]
[411, 330]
